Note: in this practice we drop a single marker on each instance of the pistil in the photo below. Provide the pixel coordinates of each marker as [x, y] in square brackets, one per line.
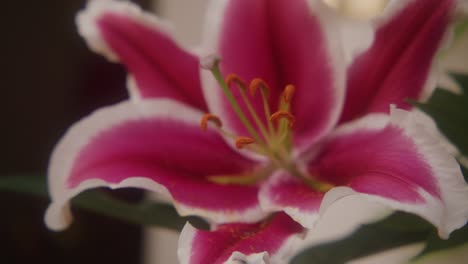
[274, 139]
[270, 142]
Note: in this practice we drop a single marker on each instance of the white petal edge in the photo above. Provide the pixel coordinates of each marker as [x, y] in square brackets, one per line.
[390, 10]
[447, 214]
[393, 8]
[287, 250]
[87, 28]
[454, 190]
[331, 26]
[58, 215]
[306, 219]
[357, 36]
[86, 22]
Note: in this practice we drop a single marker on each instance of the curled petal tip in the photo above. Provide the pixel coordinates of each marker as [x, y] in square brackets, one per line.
[58, 217]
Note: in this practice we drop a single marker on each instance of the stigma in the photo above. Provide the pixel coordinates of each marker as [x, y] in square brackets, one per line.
[267, 133]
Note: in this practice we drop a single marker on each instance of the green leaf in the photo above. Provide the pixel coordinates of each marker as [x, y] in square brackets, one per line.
[450, 112]
[397, 230]
[460, 28]
[462, 81]
[146, 213]
[465, 172]
[435, 243]
[28, 184]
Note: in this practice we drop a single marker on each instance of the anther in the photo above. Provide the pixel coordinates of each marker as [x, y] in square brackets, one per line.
[207, 118]
[283, 114]
[243, 141]
[258, 83]
[288, 93]
[233, 78]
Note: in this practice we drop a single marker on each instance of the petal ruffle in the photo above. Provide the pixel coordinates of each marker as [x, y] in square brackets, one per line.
[282, 42]
[398, 63]
[270, 241]
[158, 66]
[155, 145]
[398, 162]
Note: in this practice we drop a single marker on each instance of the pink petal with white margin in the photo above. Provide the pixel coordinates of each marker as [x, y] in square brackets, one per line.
[283, 192]
[401, 164]
[155, 145]
[398, 64]
[159, 67]
[273, 240]
[282, 42]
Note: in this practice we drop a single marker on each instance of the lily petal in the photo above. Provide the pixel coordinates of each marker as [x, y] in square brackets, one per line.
[398, 162]
[155, 145]
[283, 192]
[398, 63]
[158, 66]
[270, 241]
[282, 42]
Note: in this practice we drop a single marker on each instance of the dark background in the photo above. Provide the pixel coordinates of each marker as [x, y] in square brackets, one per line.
[49, 80]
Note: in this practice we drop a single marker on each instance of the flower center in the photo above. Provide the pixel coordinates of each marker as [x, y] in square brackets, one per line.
[272, 139]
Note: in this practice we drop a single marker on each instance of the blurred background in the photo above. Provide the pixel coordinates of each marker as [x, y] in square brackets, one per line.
[50, 80]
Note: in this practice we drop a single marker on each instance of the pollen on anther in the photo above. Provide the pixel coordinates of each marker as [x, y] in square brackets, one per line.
[283, 114]
[209, 118]
[258, 83]
[288, 93]
[233, 78]
[241, 142]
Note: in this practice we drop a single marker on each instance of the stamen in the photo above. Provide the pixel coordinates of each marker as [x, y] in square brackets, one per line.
[258, 83]
[209, 118]
[248, 104]
[241, 142]
[216, 71]
[288, 93]
[283, 115]
[275, 144]
[233, 78]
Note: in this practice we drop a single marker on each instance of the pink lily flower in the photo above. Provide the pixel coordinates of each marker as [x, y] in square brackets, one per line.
[274, 240]
[305, 132]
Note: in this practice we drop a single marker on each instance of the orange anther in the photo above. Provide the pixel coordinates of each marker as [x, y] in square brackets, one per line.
[243, 141]
[283, 114]
[259, 83]
[288, 93]
[207, 118]
[233, 78]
